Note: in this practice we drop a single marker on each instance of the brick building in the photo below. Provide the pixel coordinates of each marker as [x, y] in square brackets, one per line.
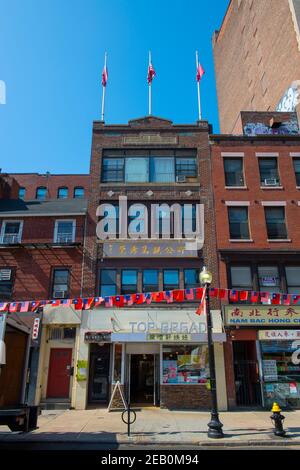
[257, 59]
[149, 161]
[48, 186]
[256, 182]
[41, 257]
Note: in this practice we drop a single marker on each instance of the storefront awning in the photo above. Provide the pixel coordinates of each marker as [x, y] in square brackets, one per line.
[135, 324]
[61, 316]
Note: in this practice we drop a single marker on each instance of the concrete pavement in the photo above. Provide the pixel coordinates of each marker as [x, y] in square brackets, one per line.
[154, 426]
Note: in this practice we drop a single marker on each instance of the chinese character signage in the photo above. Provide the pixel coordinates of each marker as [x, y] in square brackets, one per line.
[169, 337]
[259, 315]
[151, 249]
[265, 335]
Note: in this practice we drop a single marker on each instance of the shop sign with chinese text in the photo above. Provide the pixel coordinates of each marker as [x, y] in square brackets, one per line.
[174, 338]
[265, 335]
[249, 315]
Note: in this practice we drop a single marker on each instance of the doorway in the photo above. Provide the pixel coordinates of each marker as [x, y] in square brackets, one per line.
[142, 379]
[99, 373]
[246, 373]
[59, 373]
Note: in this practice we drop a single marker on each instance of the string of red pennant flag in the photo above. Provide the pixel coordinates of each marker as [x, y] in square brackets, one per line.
[171, 296]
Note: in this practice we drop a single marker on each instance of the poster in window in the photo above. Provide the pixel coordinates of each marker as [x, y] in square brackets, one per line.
[270, 370]
[170, 372]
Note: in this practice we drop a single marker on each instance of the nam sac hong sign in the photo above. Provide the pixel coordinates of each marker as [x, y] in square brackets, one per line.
[244, 315]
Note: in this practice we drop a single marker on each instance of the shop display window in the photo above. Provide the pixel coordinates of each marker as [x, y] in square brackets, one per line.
[281, 373]
[185, 364]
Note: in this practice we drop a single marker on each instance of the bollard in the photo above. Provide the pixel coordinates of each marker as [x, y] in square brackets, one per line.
[278, 419]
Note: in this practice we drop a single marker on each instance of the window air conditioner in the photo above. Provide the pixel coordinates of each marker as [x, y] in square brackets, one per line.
[180, 179]
[271, 182]
[60, 294]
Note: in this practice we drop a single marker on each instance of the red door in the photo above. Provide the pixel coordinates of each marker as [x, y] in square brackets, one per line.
[59, 373]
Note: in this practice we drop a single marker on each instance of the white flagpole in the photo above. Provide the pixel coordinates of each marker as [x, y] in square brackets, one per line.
[150, 91]
[198, 88]
[103, 91]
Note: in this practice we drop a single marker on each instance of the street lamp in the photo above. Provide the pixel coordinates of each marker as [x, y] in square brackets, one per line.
[215, 425]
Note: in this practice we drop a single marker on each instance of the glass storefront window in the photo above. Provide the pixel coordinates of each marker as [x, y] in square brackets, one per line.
[185, 364]
[117, 363]
[281, 373]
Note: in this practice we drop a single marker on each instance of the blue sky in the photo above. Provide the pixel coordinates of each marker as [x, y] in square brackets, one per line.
[51, 59]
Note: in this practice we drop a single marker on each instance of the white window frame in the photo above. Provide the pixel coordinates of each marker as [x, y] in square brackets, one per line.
[4, 223]
[56, 229]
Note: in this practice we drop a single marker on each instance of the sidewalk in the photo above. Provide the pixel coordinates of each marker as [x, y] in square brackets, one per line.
[156, 426]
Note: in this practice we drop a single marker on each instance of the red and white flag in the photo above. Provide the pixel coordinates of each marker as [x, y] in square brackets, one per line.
[202, 307]
[151, 73]
[104, 76]
[200, 72]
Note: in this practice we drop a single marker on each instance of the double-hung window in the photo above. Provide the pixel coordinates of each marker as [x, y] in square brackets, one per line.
[79, 192]
[238, 223]
[186, 167]
[41, 192]
[60, 284]
[108, 282]
[6, 283]
[64, 231]
[275, 221]
[233, 168]
[11, 232]
[150, 280]
[241, 278]
[62, 193]
[171, 279]
[268, 168]
[129, 281]
[296, 162]
[293, 279]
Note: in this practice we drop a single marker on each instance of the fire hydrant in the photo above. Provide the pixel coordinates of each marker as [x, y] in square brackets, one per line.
[278, 419]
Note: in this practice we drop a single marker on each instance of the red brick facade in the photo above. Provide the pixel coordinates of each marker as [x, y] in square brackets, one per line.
[31, 181]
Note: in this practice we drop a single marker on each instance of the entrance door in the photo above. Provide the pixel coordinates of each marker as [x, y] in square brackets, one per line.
[59, 373]
[142, 379]
[99, 373]
[246, 371]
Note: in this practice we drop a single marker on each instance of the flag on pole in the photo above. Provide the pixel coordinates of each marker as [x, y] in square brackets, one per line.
[200, 72]
[104, 75]
[151, 73]
[202, 307]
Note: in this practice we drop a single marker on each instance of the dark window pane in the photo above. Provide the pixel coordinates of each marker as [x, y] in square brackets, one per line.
[238, 223]
[186, 167]
[275, 220]
[268, 171]
[62, 193]
[233, 168]
[171, 279]
[129, 281]
[79, 193]
[113, 170]
[6, 284]
[108, 276]
[41, 192]
[296, 162]
[22, 193]
[191, 277]
[150, 280]
[108, 290]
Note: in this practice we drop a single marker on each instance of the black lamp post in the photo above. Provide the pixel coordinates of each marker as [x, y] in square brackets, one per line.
[215, 425]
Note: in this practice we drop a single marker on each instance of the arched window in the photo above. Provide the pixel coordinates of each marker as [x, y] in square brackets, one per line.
[41, 192]
[79, 192]
[62, 193]
[22, 192]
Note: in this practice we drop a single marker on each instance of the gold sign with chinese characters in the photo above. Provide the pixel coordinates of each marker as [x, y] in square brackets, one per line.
[145, 248]
[258, 315]
[171, 337]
